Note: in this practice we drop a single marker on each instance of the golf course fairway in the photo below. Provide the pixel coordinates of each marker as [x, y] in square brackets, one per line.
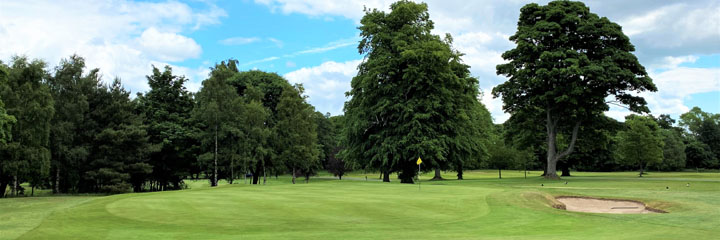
[480, 207]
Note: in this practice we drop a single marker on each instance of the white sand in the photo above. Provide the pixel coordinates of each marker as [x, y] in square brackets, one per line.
[591, 205]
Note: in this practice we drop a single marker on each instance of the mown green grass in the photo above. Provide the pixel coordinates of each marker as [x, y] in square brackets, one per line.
[480, 207]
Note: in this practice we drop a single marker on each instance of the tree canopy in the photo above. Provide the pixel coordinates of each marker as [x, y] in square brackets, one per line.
[167, 113]
[567, 62]
[641, 144]
[412, 97]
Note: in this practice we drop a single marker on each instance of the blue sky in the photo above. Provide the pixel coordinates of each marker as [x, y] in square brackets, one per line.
[314, 42]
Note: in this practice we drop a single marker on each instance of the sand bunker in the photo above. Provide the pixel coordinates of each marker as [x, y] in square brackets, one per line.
[594, 205]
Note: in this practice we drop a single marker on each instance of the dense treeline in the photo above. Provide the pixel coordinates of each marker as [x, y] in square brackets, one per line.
[640, 143]
[65, 129]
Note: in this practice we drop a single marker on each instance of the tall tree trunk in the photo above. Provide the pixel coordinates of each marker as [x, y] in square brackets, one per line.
[256, 173]
[264, 174]
[437, 176]
[3, 186]
[255, 178]
[499, 173]
[15, 186]
[565, 169]
[552, 155]
[293, 175]
[215, 182]
[232, 172]
[56, 188]
[307, 177]
[459, 173]
[385, 176]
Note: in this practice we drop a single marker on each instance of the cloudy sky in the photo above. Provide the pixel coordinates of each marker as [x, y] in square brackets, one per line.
[314, 42]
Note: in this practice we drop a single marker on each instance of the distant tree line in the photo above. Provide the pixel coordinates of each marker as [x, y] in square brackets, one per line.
[640, 143]
[65, 129]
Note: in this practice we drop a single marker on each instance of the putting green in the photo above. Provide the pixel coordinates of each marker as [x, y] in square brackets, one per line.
[480, 207]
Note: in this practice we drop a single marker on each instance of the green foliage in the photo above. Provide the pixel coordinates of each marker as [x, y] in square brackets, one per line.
[6, 120]
[120, 147]
[703, 146]
[412, 97]
[218, 110]
[566, 63]
[693, 120]
[673, 151]
[296, 133]
[641, 144]
[709, 133]
[27, 97]
[699, 155]
[166, 109]
[326, 134]
[258, 87]
[255, 147]
[71, 135]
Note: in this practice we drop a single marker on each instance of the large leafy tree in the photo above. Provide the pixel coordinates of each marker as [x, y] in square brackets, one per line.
[120, 148]
[266, 89]
[693, 120]
[6, 123]
[218, 109]
[567, 62]
[26, 157]
[254, 125]
[674, 157]
[641, 143]
[703, 137]
[6, 120]
[335, 164]
[296, 133]
[412, 97]
[70, 130]
[326, 135]
[167, 113]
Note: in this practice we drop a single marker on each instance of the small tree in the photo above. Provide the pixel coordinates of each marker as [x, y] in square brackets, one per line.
[640, 144]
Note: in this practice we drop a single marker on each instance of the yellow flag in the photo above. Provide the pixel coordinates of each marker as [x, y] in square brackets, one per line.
[419, 161]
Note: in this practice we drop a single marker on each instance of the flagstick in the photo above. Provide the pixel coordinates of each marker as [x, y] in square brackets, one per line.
[418, 177]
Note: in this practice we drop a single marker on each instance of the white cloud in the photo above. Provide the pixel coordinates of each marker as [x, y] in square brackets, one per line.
[674, 87]
[277, 42]
[239, 40]
[122, 38]
[684, 81]
[168, 46]
[669, 62]
[326, 84]
[675, 29]
[267, 59]
[331, 46]
[349, 9]
[328, 47]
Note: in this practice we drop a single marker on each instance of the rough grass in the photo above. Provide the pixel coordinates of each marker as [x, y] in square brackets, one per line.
[480, 207]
